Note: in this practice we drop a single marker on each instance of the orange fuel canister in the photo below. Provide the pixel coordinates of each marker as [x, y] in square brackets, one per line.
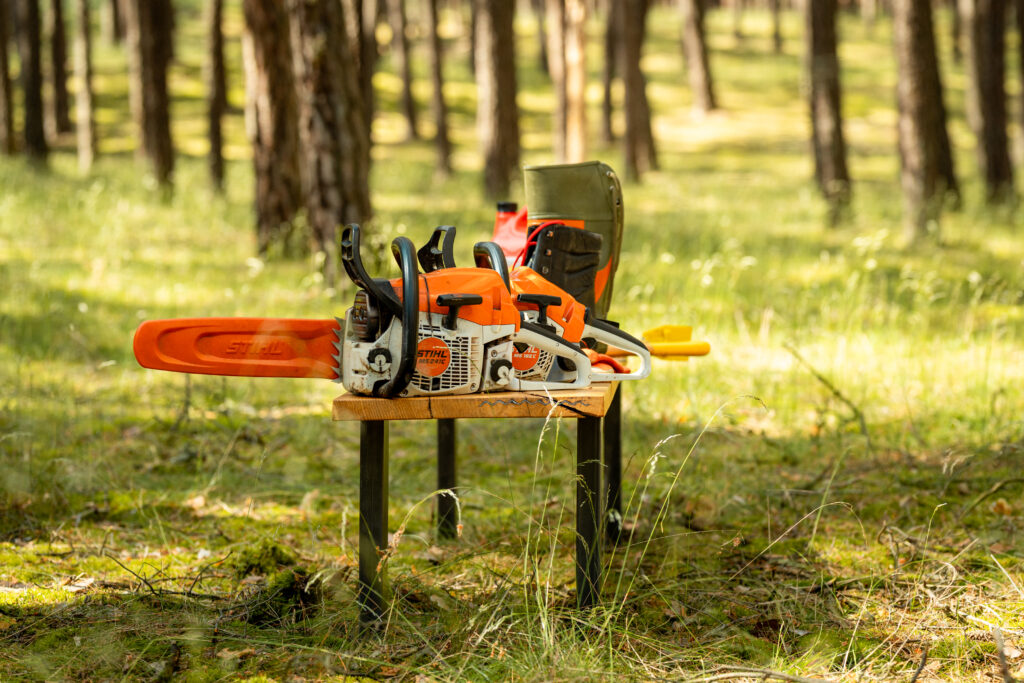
[510, 230]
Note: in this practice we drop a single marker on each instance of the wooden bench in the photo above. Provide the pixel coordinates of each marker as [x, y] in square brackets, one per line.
[597, 410]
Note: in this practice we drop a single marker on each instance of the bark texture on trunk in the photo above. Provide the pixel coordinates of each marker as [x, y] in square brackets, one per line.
[366, 26]
[775, 7]
[7, 144]
[640, 151]
[737, 20]
[150, 47]
[400, 46]
[497, 115]
[555, 25]
[695, 51]
[32, 81]
[331, 127]
[271, 120]
[868, 14]
[442, 142]
[612, 40]
[575, 81]
[984, 23]
[472, 37]
[542, 46]
[84, 123]
[827, 143]
[112, 21]
[1018, 12]
[922, 119]
[216, 91]
[957, 28]
[59, 68]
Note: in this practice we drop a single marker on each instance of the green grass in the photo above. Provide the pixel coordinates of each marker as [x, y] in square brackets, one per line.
[768, 531]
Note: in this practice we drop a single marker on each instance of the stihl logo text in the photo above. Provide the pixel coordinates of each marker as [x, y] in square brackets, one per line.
[248, 348]
[526, 359]
[432, 357]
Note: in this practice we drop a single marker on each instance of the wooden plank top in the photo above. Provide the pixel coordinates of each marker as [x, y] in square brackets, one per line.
[590, 402]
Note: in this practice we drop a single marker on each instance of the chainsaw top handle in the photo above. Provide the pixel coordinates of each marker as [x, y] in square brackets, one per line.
[439, 251]
[352, 260]
[490, 255]
[405, 254]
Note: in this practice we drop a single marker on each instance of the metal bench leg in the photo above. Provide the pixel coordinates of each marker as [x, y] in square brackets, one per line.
[373, 519]
[446, 509]
[589, 493]
[613, 465]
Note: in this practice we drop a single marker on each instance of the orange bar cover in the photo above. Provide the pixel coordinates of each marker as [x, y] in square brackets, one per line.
[240, 347]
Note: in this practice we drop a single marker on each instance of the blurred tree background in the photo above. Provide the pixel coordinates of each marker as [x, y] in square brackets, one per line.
[303, 97]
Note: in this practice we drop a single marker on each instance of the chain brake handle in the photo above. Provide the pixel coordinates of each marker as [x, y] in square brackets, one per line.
[352, 261]
[439, 251]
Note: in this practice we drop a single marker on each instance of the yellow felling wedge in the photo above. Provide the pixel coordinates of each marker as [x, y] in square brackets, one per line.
[671, 342]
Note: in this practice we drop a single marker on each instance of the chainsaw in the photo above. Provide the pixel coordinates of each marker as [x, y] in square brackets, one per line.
[448, 331]
[548, 306]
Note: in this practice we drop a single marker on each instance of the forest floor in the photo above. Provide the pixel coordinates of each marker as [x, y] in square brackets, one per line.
[835, 492]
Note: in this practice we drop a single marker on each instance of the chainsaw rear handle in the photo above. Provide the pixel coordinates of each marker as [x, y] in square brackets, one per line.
[546, 340]
[541, 301]
[352, 261]
[490, 255]
[404, 252]
[439, 251]
[607, 333]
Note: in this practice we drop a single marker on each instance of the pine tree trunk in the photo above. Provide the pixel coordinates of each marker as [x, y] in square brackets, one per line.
[400, 46]
[440, 109]
[957, 28]
[59, 68]
[984, 23]
[331, 127]
[216, 91]
[542, 43]
[112, 21]
[612, 39]
[775, 6]
[922, 119]
[7, 144]
[641, 154]
[827, 142]
[472, 37]
[1018, 12]
[84, 123]
[868, 14]
[696, 53]
[148, 24]
[272, 121]
[497, 116]
[737, 20]
[555, 25]
[575, 81]
[366, 25]
[32, 81]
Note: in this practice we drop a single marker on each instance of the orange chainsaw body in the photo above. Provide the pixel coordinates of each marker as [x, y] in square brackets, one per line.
[497, 307]
[569, 314]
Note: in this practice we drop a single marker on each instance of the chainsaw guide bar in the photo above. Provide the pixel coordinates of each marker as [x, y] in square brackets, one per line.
[241, 347]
